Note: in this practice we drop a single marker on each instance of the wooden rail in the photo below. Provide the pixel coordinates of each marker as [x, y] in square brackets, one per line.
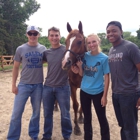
[6, 60]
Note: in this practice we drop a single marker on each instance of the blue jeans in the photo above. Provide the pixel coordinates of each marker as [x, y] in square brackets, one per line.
[86, 103]
[126, 114]
[62, 95]
[34, 91]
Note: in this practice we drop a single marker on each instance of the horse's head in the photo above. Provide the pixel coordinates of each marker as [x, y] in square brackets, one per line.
[75, 46]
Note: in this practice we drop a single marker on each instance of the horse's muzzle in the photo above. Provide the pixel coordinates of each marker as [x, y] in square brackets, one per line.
[67, 65]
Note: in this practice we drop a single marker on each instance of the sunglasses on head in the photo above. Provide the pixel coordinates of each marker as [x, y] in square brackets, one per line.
[34, 34]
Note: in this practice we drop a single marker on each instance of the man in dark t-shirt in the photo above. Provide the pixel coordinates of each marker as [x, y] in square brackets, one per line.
[56, 87]
[124, 62]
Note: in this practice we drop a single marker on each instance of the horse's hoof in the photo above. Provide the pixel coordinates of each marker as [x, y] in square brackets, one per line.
[56, 108]
[77, 131]
[81, 120]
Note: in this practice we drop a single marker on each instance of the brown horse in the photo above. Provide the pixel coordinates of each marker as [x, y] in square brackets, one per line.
[75, 50]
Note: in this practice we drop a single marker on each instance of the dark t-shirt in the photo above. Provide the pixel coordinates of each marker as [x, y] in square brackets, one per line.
[56, 76]
[122, 61]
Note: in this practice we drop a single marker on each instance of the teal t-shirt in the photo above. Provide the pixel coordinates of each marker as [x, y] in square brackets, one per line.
[94, 69]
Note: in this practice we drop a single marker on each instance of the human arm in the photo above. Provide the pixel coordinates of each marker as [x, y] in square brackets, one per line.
[79, 64]
[138, 102]
[106, 86]
[138, 66]
[45, 56]
[14, 76]
[77, 69]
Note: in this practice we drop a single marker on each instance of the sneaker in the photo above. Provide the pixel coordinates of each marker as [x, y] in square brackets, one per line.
[46, 139]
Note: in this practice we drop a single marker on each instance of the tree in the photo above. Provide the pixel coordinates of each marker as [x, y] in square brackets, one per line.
[104, 40]
[105, 44]
[126, 35]
[62, 41]
[135, 40]
[138, 33]
[44, 41]
[14, 13]
[3, 36]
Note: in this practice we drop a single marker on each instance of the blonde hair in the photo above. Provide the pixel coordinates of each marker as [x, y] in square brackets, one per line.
[97, 37]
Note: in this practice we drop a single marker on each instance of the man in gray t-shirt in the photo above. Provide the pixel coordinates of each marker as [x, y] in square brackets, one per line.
[56, 87]
[124, 62]
[30, 55]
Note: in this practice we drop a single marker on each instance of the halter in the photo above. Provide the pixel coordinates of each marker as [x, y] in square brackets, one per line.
[77, 56]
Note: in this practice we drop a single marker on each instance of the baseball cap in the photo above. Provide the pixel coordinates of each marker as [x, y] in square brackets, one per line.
[34, 28]
[116, 23]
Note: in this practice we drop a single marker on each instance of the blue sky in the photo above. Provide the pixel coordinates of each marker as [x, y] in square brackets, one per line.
[94, 15]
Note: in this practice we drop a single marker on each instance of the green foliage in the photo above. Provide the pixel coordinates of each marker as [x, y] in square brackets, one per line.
[105, 45]
[44, 41]
[62, 41]
[138, 33]
[126, 35]
[103, 38]
[135, 40]
[105, 49]
[13, 15]
[6, 68]
[2, 50]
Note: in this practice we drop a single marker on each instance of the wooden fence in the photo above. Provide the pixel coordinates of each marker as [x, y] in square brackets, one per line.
[6, 60]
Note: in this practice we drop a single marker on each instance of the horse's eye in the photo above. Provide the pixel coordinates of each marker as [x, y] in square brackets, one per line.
[79, 42]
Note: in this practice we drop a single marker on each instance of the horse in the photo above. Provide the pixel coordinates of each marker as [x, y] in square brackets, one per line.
[75, 50]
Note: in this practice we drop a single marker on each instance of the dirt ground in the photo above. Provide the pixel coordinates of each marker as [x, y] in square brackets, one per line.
[6, 104]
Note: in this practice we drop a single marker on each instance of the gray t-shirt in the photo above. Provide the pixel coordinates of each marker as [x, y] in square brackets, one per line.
[122, 61]
[56, 76]
[32, 66]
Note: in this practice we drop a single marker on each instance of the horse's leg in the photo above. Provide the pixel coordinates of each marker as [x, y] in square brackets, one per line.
[81, 118]
[56, 106]
[77, 130]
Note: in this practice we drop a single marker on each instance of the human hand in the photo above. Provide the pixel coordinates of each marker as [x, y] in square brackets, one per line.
[79, 63]
[138, 104]
[14, 89]
[103, 101]
[75, 69]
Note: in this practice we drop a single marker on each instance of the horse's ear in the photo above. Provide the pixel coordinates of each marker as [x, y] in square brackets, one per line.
[69, 27]
[80, 27]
